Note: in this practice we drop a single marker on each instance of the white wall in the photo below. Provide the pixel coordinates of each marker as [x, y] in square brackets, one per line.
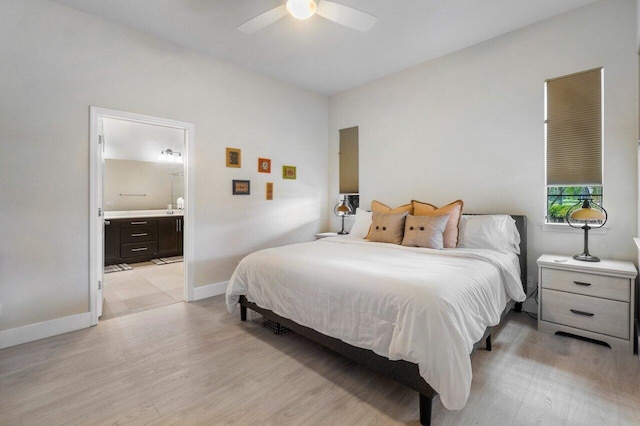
[56, 62]
[470, 126]
[638, 20]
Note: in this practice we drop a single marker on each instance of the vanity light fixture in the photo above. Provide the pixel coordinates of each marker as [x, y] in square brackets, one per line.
[170, 156]
[301, 9]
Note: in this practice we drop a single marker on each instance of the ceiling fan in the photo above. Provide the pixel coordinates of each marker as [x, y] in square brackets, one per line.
[303, 9]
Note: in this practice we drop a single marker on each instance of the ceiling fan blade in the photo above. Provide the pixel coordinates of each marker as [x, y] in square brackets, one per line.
[345, 15]
[262, 20]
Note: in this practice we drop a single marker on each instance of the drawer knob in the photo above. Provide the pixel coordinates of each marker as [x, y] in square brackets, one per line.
[585, 314]
[581, 283]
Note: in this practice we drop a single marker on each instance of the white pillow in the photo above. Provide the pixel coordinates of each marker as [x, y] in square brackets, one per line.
[362, 224]
[496, 232]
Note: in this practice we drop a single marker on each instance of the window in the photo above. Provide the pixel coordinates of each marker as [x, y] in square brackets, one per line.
[561, 198]
[349, 170]
[573, 132]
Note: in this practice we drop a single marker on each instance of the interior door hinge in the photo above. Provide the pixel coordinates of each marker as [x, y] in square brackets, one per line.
[99, 285]
[99, 212]
[99, 139]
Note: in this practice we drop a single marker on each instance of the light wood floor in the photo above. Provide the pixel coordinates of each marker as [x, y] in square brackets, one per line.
[193, 363]
[146, 286]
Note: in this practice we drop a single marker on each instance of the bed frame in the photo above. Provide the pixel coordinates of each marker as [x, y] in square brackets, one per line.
[403, 372]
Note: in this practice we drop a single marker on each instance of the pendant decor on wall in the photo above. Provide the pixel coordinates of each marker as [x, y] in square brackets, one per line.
[288, 172]
[269, 190]
[234, 157]
[241, 187]
[264, 165]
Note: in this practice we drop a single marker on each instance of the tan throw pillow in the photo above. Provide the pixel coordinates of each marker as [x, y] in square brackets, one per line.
[425, 231]
[454, 210]
[377, 206]
[387, 227]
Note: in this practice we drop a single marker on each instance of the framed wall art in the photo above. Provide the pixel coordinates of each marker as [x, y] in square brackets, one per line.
[234, 157]
[264, 165]
[269, 190]
[288, 172]
[241, 187]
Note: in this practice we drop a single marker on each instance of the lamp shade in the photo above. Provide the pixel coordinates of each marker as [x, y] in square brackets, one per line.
[586, 214]
[343, 209]
[301, 9]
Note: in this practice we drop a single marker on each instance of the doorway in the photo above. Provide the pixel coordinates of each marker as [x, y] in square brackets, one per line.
[141, 218]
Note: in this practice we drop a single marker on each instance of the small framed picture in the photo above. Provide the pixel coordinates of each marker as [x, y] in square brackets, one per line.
[269, 190]
[241, 187]
[288, 172]
[234, 157]
[264, 165]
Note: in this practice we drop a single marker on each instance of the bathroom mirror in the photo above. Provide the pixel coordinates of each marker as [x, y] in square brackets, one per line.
[143, 167]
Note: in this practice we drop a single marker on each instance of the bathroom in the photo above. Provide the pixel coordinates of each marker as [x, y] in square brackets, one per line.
[143, 199]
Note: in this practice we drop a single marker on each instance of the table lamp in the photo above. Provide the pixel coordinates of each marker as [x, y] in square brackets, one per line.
[343, 209]
[586, 214]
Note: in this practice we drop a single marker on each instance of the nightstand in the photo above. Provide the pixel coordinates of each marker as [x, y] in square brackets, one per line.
[588, 299]
[322, 235]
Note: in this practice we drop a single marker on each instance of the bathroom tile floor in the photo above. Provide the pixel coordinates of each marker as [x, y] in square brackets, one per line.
[146, 286]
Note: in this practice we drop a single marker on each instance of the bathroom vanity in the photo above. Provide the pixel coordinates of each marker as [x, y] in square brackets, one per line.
[142, 235]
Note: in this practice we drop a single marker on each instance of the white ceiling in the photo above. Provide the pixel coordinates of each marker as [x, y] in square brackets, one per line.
[318, 54]
[129, 140]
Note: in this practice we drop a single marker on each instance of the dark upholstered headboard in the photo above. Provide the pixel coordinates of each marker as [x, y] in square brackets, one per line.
[521, 224]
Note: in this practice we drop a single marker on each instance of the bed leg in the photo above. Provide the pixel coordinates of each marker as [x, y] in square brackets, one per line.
[243, 313]
[425, 410]
[488, 342]
[518, 307]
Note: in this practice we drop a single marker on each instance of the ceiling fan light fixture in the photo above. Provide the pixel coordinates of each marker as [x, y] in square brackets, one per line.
[301, 9]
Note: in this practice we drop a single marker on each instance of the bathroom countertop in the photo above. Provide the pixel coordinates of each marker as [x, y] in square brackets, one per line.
[129, 214]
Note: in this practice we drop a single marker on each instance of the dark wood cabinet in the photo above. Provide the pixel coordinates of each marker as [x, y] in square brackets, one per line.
[142, 239]
[111, 242]
[170, 236]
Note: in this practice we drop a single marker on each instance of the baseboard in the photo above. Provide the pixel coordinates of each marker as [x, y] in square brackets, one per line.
[44, 329]
[209, 290]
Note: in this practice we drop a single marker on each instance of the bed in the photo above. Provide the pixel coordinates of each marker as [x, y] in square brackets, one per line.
[418, 327]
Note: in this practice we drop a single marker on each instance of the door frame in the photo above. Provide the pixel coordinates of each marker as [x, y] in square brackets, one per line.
[96, 208]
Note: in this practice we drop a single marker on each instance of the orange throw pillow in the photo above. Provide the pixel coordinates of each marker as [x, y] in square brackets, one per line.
[454, 210]
[377, 206]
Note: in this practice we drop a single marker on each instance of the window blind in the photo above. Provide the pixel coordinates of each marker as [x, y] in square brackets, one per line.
[349, 183]
[574, 129]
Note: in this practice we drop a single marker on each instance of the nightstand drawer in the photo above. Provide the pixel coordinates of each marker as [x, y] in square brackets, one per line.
[608, 287]
[588, 313]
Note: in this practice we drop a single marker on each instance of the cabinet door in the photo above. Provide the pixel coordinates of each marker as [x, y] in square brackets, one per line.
[111, 242]
[180, 235]
[168, 236]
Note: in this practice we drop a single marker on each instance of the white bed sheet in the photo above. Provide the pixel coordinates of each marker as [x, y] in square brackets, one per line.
[421, 305]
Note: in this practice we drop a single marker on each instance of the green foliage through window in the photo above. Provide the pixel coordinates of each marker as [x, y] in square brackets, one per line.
[561, 198]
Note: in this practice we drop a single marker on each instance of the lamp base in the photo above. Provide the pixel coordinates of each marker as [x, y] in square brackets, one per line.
[343, 233]
[586, 257]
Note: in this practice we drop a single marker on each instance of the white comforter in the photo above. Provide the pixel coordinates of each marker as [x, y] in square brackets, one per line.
[421, 305]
